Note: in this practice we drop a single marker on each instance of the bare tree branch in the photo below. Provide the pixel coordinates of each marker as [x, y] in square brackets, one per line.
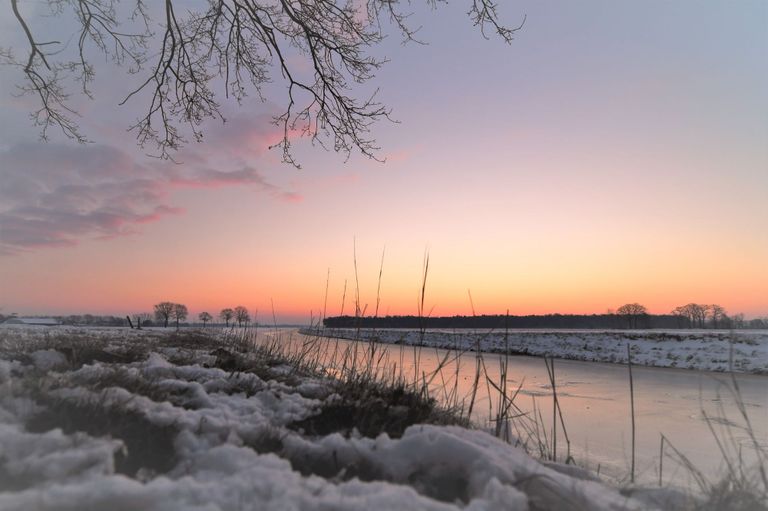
[46, 77]
[237, 42]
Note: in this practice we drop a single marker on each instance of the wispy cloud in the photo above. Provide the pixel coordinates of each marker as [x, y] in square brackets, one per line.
[57, 195]
[210, 178]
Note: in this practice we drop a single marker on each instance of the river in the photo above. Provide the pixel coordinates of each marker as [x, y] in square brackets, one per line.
[683, 405]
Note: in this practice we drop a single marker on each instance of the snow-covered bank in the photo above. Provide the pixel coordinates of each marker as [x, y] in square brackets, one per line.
[165, 422]
[744, 351]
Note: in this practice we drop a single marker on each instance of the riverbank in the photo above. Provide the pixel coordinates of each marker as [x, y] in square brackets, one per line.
[190, 420]
[745, 352]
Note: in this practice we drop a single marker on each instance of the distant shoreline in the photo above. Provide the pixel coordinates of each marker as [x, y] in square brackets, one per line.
[705, 350]
[548, 321]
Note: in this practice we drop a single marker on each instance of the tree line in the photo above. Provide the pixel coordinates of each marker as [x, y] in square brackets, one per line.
[239, 314]
[167, 312]
[630, 315]
[692, 315]
[163, 314]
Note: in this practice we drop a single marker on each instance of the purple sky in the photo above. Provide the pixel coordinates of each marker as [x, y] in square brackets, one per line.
[613, 152]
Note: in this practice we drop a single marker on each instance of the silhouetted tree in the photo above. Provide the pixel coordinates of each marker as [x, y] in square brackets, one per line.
[204, 317]
[632, 312]
[180, 313]
[241, 315]
[227, 315]
[233, 42]
[684, 321]
[718, 316]
[163, 312]
[696, 313]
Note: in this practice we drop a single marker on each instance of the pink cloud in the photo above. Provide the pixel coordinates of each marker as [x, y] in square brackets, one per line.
[403, 154]
[397, 156]
[158, 214]
[247, 136]
[56, 195]
[243, 177]
[292, 197]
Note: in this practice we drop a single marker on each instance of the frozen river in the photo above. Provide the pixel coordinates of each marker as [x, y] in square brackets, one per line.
[594, 399]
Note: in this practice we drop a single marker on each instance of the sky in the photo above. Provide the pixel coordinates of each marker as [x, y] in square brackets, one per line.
[614, 152]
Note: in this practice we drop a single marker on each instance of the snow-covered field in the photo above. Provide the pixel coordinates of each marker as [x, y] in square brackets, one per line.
[126, 420]
[743, 351]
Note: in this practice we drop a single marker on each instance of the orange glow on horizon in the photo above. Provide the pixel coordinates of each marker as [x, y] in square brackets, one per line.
[527, 285]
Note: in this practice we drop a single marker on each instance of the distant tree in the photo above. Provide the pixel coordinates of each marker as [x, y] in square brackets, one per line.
[683, 320]
[72, 319]
[204, 317]
[758, 323]
[632, 312]
[718, 316]
[737, 321]
[241, 315]
[180, 313]
[163, 312]
[695, 313]
[699, 314]
[227, 315]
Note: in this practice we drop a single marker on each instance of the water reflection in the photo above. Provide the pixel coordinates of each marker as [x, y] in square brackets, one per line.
[593, 397]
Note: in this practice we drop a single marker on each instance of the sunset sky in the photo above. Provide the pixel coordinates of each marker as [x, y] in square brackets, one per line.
[614, 152]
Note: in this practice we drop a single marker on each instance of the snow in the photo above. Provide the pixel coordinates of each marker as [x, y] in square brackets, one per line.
[53, 456]
[743, 351]
[218, 418]
[48, 359]
[449, 459]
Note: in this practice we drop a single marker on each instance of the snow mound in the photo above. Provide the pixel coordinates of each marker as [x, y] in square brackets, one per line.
[46, 360]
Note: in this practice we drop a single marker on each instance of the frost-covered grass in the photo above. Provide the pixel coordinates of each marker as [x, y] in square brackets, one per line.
[125, 420]
[744, 351]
